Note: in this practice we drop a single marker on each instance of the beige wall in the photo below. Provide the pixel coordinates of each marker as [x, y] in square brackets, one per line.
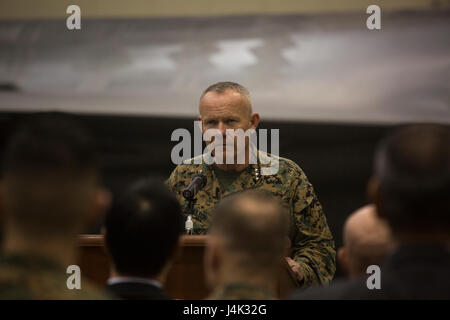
[41, 9]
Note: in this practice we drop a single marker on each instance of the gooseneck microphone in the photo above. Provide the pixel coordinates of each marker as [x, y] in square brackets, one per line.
[196, 184]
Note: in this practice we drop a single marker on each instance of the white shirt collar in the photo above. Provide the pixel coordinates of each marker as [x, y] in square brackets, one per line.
[152, 282]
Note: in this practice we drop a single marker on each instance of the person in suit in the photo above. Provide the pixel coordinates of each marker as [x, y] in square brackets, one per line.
[246, 246]
[410, 188]
[366, 241]
[141, 233]
[50, 190]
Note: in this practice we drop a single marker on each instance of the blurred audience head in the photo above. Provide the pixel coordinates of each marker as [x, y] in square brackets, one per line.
[50, 186]
[247, 240]
[366, 241]
[142, 229]
[411, 183]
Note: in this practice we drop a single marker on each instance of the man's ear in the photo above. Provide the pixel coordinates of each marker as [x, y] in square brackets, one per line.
[99, 206]
[342, 259]
[374, 195]
[199, 118]
[254, 120]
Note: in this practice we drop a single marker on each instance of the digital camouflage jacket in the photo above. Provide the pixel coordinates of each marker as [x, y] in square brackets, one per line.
[311, 240]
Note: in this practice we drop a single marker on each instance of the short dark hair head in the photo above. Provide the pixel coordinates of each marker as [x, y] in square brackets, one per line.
[142, 228]
[254, 225]
[413, 170]
[49, 174]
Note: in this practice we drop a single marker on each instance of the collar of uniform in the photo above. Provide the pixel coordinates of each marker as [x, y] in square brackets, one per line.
[269, 163]
[152, 282]
[252, 176]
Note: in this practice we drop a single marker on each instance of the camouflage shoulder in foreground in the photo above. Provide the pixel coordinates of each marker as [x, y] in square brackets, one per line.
[311, 240]
[23, 277]
[238, 291]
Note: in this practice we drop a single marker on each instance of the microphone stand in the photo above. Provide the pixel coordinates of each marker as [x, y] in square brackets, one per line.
[189, 193]
[190, 205]
[197, 183]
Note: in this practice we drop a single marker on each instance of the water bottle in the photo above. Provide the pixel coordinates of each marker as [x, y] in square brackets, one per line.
[189, 225]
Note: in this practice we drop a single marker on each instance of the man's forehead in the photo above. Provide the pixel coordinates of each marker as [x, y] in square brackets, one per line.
[227, 94]
[229, 100]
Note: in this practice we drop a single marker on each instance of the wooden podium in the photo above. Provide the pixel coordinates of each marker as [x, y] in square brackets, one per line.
[186, 276]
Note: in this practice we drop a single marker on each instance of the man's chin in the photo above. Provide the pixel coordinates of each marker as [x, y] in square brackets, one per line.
[223, 157]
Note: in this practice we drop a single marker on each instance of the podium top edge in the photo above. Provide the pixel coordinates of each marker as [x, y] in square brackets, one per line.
[96, 240]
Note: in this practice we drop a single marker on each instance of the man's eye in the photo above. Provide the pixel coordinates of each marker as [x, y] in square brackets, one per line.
[211, 122]
[231, 120]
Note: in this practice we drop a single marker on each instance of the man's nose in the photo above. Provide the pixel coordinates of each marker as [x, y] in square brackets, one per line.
[222, 128]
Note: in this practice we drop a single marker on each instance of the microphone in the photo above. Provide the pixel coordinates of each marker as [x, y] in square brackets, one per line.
[196, 184]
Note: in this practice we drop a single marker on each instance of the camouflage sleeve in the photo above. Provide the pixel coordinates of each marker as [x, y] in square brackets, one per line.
[172, 180]
[313, 242]
[175, 183]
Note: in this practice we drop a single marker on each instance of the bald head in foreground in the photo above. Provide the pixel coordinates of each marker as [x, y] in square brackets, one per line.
[246, 246]
[366, 240]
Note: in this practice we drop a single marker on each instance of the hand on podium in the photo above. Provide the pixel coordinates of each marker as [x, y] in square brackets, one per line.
[295, 267]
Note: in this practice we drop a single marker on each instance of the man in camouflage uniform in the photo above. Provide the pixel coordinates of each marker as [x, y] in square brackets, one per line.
[49, 191]
[23, 276]
[227, 105]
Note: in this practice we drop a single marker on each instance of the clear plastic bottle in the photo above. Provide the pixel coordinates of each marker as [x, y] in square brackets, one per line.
[189, 225]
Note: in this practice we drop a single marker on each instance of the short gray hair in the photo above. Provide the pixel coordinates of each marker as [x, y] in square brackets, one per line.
[221, 87]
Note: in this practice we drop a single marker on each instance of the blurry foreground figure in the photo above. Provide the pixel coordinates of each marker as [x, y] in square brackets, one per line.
[49, 193]
[246, 246]
[410, 187]
[366, 241]
[142, 231]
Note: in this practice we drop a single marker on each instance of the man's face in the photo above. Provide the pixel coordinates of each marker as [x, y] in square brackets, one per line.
[227, 110]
